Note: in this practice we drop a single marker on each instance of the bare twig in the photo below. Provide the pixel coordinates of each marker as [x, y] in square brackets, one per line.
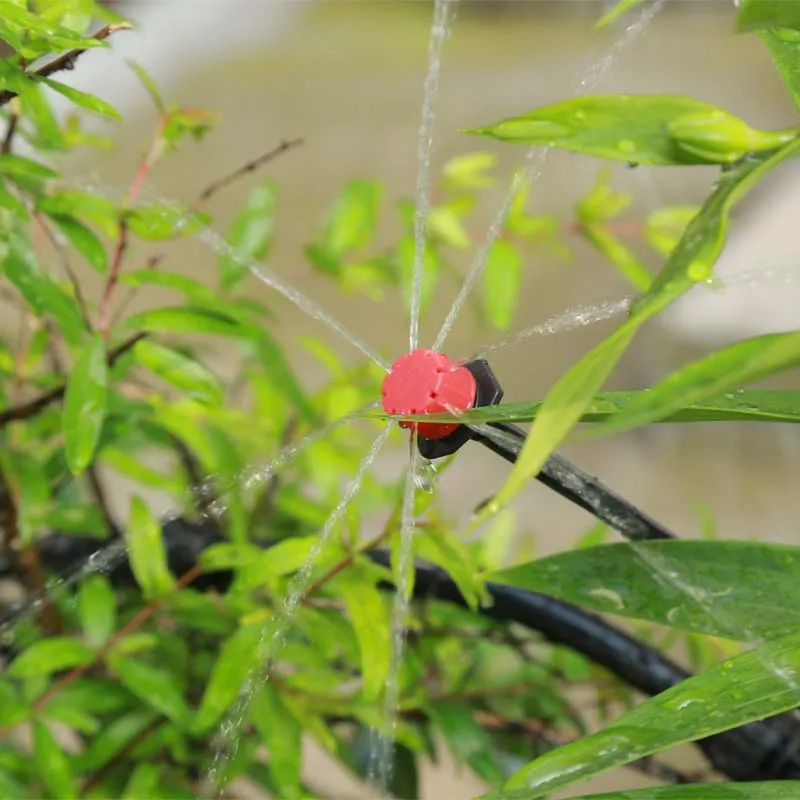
[33, 407]
[13, 121]
[67, 60]
[251, 166]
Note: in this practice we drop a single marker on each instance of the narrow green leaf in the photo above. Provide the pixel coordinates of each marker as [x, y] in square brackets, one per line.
[501, 283]
[622, 257]
[741, 363]
[738, 590]
[112, 739]
[617, 11]
[146, 551]
[747, 790]
[371, 624]
[193, 290]
[755, 15]
[749, 687]
[352, 220]
[21, 167]
[27, 476]
[84, 205]
[250, 236]
[51, 655]
[180, 371]
[784, 46]
[639, 129]
[162, 221]
[83, 99]
[237, 656]
[84, 241]
[97, 608]
[154, 686]
[664, 227]
[143, 782]
[468, 741]
[282, 735]
[690, 262]
[85, 405]
[468, 172]
[184, 319]
[53, 763]
[149, 85]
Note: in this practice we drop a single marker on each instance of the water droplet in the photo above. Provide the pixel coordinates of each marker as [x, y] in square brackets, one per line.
[698, 271]
[579, 116]
[730, 396]
[425, 478]
[627, 146]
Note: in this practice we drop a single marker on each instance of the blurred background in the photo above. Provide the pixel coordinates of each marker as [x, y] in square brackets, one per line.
[348, 78]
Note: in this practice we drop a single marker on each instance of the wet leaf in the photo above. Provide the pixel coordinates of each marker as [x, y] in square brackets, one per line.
[154, 686]
[749, 687]
[53, 763]
[250, 236]
[281, 732]
[146, 551]
[757, 15]
[745, 405]
[741, 363]
[237, 656]
[85, 405]
[51, 655]
[468, 741]
[639, 129]
[690, 262]
[97, 608]
[352, 220]
[502, 283]
[84, 241]
[739, 590]
[180, 371]
[371, 624]
[83, 99]
[163, 221]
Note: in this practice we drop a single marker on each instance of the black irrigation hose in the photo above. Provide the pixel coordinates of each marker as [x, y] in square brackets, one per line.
[768, 750]
[578, 487]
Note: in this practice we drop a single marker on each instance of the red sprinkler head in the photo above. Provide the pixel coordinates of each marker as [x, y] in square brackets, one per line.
[427, 382]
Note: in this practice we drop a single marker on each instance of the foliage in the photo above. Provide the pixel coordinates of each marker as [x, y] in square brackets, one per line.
[139, 672]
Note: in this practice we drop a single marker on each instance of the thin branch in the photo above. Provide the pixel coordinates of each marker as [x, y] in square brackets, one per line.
[251, 166]
[33, 407]
[67, 60]
[13, 121]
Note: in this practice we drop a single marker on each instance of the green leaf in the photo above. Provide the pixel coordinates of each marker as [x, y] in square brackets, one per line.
[180, 371]
[468, 172]
[163, 221]
[501, 283]
[193, 290]
[184, 319]
[53, 763]
[120, 733]
[99, 210]
[784, 46]
[250, 236]
[623, 258]
[468, 741]
[741, 363]
[237, 656]
[85, 406]
[617, 11]
[755, 15]
[143, 782]
[20, 167]
[28, 478]
[371, 624]
[757, 405]
[35, 107]
[41, 292]
[352, 220]
[97, 608]
[83, 99]
[639, 129]
[445, 224]
[282, 735]
[51, 655]
[149, 85]
[84, 241]
[154, 686]
[146, 551]
[738, 590]
[749, 790]
[690, 262]
[749, 687]
[664, 227]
